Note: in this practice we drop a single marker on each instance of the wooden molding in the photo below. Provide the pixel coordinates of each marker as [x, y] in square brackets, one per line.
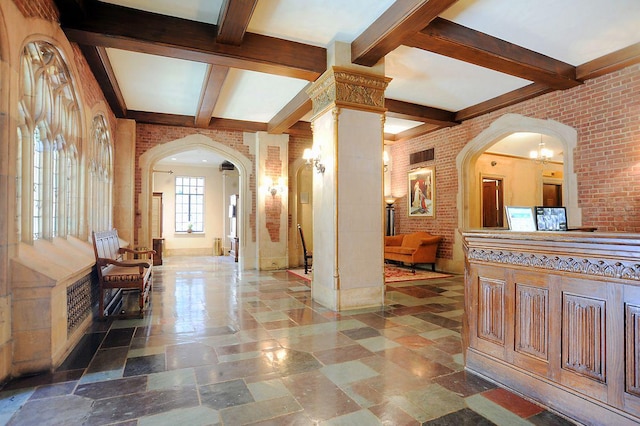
[609, 63]
[233, 20]
[409, 111]
[119, 27]
[511, 98]
[456, 41]
[297, 108]
[402, 19]
[212, 85]
[100, 65]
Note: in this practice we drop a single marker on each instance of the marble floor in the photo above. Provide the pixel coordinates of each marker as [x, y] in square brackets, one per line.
[227, 347]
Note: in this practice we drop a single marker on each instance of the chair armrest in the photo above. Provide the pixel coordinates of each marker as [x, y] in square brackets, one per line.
[430, 241]
[134, 251]
[140, 264]
[393, 240]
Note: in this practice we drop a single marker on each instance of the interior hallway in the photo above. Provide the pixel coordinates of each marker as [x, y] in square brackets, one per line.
[229, 347]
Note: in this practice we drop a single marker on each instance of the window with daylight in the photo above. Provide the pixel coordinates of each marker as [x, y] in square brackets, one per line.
[100, 176]
[48, 132]
[189, 204]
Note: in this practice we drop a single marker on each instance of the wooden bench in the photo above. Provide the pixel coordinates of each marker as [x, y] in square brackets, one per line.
[116, 272]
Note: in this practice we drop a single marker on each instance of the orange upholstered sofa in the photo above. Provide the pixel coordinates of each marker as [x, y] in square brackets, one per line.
[414, 248]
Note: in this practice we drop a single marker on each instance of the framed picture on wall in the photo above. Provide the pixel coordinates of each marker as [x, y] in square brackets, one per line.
[422, 192]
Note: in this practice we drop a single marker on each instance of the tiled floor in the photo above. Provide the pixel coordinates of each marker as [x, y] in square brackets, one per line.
[230, 347]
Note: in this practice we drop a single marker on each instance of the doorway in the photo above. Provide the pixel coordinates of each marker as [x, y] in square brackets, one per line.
[551, 195]
[492, 202]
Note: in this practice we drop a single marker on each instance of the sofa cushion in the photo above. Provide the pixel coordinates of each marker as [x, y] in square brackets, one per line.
[415, 239]
[399, 250]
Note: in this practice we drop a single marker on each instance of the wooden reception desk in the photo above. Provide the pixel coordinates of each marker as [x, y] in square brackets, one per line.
[556, 317]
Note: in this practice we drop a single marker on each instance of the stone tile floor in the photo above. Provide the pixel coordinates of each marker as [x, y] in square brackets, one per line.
[228, 347]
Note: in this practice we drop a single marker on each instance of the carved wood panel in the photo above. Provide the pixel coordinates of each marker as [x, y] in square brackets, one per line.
[491, 310]
[584, 336]
[532, 321]
[632, 337]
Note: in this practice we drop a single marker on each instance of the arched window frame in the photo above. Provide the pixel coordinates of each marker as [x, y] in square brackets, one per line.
[100, 176]
[48, 166]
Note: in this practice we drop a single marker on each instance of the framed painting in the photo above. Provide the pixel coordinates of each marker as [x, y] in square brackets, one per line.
[422, 192]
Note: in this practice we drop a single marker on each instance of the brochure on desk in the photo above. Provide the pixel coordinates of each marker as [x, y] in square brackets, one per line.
[538, 218]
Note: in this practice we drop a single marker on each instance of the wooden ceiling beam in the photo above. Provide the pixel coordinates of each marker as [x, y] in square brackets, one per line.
[301, 128]
[414, 132]
[233, 20]
[456, 41]
[100, 65]
[291, 113]
[609, 63]
[120, 27]
[188, 121]
[245, 126]
[414, 112]
[511, 98]
[71, 10]
[402, 19]
[211, 88]
[161, 118]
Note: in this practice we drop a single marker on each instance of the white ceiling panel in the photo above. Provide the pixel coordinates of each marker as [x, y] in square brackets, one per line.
[398, 125]
[194, 10]
[316, 22]
[158, 84]
[446, 83]
[195, 157]
[572, 32]
[254, 96]
[520, 144]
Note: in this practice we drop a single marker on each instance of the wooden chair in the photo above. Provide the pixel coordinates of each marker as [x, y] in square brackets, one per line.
[307, 254]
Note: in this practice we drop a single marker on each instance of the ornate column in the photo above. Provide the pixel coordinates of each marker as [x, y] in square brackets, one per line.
[348, 208]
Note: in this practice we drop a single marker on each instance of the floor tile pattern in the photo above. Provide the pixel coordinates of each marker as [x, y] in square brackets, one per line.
[221, 346]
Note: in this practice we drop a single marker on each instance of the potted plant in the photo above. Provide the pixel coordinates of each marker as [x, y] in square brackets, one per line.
[190, 228]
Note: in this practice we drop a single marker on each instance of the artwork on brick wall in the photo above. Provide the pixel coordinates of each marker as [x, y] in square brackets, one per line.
[422, 192]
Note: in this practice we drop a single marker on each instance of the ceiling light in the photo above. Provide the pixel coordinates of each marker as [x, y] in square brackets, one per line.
[542, 155]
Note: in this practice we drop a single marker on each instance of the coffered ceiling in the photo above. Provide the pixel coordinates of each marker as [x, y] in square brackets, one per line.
[244, 64]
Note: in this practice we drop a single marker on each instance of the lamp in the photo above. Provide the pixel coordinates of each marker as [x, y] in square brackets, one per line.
[391, 219]
[542, 155]
[272, 188]
[312, 156]
[385, 160]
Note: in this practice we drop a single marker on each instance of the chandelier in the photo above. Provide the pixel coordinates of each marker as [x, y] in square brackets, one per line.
[542, 154]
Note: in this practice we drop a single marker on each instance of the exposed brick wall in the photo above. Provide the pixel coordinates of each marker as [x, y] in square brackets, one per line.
[606, 114]
[44, 9]
[152, 135]
[273, 204]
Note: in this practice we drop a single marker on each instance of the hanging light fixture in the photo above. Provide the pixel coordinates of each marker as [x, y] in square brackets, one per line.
[542, 154]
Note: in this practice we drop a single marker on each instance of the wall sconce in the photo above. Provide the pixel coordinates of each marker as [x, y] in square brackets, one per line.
[312, 156]
[385, 160]
[272, 188]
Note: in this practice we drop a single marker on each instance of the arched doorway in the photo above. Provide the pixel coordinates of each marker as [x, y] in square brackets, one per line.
[149, 160]
[301, 209]
[469, 179]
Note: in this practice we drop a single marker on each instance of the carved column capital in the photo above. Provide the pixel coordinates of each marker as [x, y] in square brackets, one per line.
[348, 88]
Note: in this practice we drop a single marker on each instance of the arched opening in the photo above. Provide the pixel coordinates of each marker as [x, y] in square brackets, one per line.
[301, 210]
[470, 179]
[151, 159]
